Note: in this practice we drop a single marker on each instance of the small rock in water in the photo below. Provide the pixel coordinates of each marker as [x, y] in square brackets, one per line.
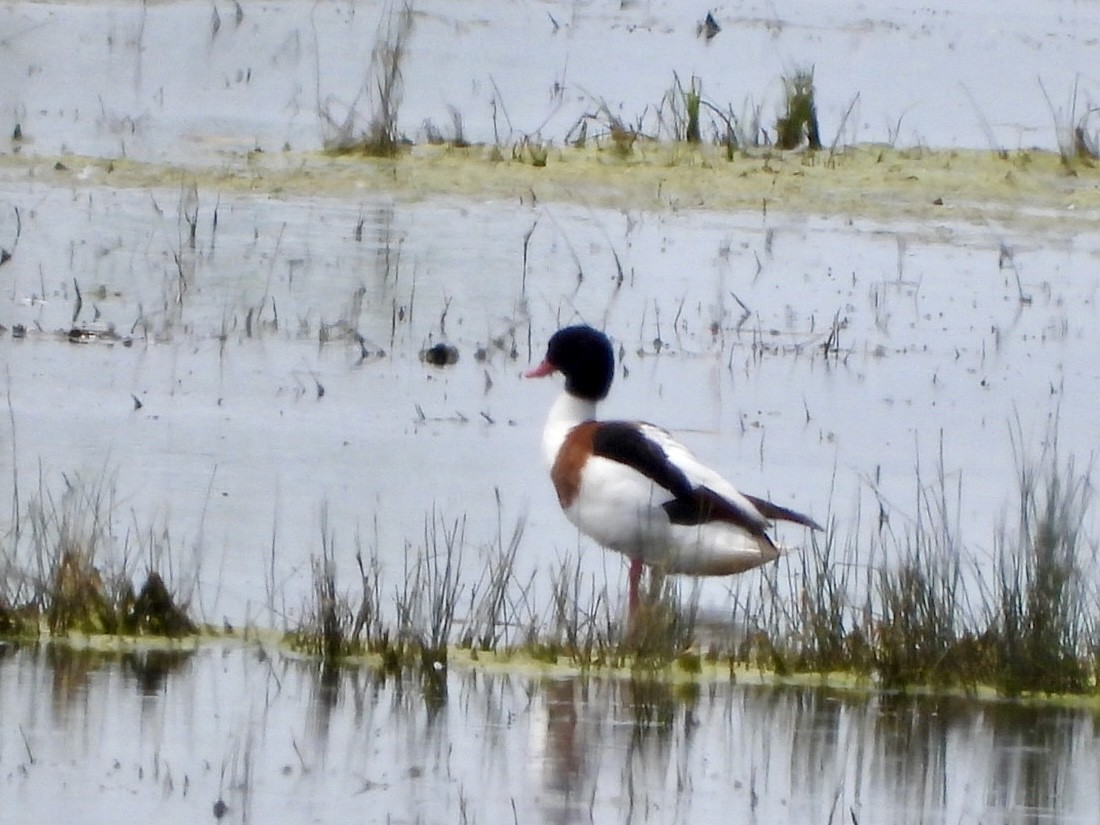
[709, 27]
[440, 355]
[94, 333]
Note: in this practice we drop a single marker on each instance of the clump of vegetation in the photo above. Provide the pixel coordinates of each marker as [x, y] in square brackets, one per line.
[1076, 144]
[76, 598]
[154, 611]
[693, 98]
[72, 576]
[429, 601]
[328, 628]
[426, 605]
[589, 630]
[827, 641]
[15, 623]
[685, 105]
[917, 635]
[931, 618]
[1086, 145]
[916, 640]
[621, 134]
[383, 87]
[662, 629]
[1040, 633]
[434, 135]
[623, 138]
[494, 608]
[798, 124]
[532, 150]
[582, 626]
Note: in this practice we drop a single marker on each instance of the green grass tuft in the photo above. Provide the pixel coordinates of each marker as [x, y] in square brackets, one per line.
[798, 124]
[1040, 630]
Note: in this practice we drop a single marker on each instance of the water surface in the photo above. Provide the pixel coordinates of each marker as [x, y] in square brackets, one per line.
[247, 374]
[167, 736]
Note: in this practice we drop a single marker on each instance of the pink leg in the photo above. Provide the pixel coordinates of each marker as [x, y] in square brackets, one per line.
[635, 577]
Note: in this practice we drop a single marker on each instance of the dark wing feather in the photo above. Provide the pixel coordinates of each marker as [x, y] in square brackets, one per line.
[773, 512]
[705, 506]
[624, 442]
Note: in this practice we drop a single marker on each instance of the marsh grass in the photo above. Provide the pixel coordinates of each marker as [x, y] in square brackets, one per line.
[329, 628]
[693, 97]
[1041, 634]
[929, 615]
[383, 88]
[663, 628]
[498, 599]
[154, 610]
[532, 150]
[12, 624]
[921, 622]
[798, 124]
[428, 604]
[457, 139]
[1077, 145]
[827, 640]
[590, 629]
[685, 116]
[684, 106]
[900, 606]
[611, 131]
[917, 634]
[71, 574]
[582, 625]
[333, 628]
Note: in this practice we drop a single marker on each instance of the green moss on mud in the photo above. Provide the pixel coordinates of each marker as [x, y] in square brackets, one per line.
[1033, 188]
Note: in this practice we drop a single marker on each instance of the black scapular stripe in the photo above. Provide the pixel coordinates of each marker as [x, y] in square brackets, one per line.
[623, 442]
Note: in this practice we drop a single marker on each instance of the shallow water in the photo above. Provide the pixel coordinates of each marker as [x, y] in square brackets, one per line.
[174, 79]
[167, 736]
[258, 412]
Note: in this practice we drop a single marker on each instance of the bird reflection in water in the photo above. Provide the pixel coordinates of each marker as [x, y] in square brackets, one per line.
[577, 723]
[560, 749]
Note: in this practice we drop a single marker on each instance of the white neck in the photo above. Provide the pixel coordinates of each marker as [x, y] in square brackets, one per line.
[565, 414]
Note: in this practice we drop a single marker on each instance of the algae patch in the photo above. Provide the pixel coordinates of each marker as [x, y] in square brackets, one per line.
[1034, 189]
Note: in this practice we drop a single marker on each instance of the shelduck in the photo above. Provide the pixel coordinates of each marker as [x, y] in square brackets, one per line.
[635, 489]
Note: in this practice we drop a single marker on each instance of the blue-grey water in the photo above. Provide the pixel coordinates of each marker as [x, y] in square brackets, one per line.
[230, 413]
[167, 736]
